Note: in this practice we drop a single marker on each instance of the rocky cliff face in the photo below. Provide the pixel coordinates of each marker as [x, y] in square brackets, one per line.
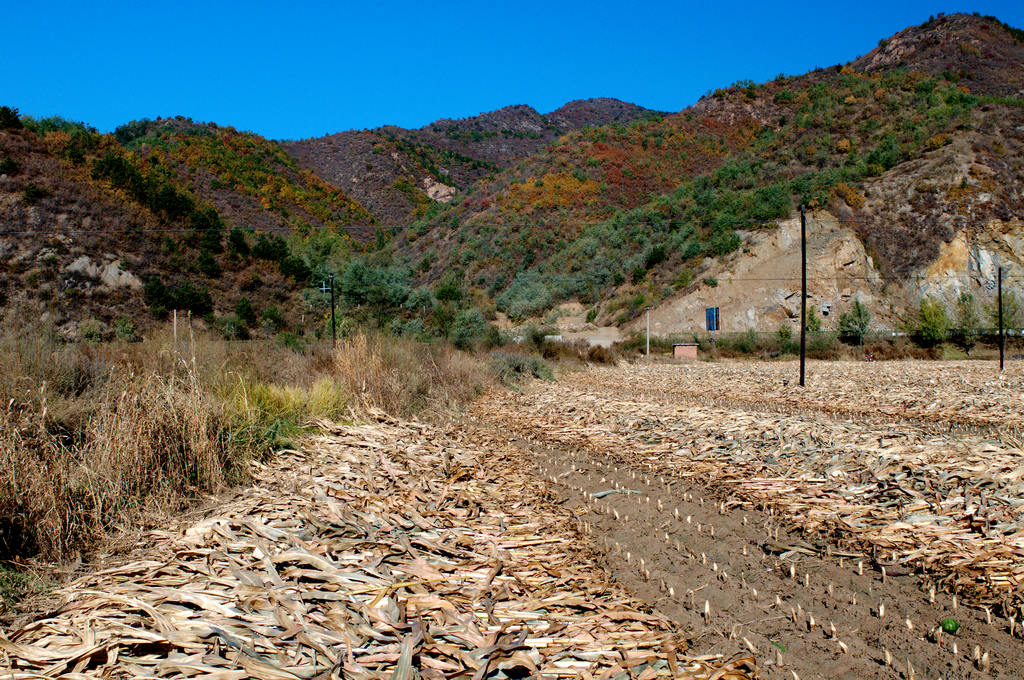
[759, 288]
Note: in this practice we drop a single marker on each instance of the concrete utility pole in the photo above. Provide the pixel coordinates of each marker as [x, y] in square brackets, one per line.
[648, 310]
[803, 294]
[1002, 333]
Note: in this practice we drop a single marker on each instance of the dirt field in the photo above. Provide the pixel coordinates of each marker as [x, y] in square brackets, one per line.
[700, 522]
[748, 510]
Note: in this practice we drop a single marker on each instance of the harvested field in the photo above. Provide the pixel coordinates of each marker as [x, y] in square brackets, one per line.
[703, 521]
[785, 513]
[383, 551]
[951, 394]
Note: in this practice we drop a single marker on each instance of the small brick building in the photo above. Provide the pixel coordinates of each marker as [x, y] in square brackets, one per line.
[685, 352]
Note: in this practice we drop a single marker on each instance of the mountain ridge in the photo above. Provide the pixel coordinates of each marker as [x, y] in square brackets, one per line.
[398, 172]
[907, 152]
[914, 148]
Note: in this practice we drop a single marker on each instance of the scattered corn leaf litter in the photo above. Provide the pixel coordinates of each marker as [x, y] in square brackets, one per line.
[382, 551]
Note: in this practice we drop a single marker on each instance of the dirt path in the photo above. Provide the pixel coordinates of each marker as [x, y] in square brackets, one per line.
[699, 533]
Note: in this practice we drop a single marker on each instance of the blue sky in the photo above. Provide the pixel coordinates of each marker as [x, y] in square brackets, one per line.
[292, 70]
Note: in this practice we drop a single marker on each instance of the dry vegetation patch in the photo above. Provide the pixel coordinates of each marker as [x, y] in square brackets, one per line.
[91, 436]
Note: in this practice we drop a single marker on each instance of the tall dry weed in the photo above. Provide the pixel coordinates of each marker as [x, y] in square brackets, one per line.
[401, 376]
[147, 438]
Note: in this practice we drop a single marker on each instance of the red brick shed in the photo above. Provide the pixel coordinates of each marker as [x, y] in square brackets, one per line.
[685, 352]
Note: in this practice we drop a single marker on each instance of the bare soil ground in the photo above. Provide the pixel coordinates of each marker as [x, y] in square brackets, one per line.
[829, 539]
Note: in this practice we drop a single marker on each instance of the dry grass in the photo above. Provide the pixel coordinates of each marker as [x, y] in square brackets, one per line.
[82, 453]
[90, 436]
[401, 376]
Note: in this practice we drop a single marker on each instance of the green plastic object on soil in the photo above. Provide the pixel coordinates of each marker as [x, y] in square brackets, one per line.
[950, 626]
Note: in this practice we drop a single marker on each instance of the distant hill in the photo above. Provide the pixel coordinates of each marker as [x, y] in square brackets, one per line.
[910, 145]
[119, 229]
[981, 53]
[397, 174]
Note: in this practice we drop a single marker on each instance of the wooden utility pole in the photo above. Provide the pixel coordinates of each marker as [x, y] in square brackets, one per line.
[325, 287]
[803, 294]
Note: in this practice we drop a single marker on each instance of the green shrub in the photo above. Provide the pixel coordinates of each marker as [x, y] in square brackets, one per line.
[724, 243]
[821, 344]
[442, 319]
[9, 166]
[783, 96]
[125, 329]
[210, 228]
[379, 290]
[132, 130]
[1013, 312]
[91, 331]
[245, 312]
[196, 300]
[813, 320]
[932, 323]
[291, 341]
[853, 325]
[420, 299]
[527, 295]
[185, 297]
[493, 337]
[511, 368]
[711, 282]
[414, 328]
[237, 243]
[9, 118]
[33, 194]
[232, 328]
[207, 264]
[273, 319]
[654, 256]
[294, 268]
[967, 327]
[468, 328]
[746, 342]
[449, 288]
[273, 248]
[683, 279]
